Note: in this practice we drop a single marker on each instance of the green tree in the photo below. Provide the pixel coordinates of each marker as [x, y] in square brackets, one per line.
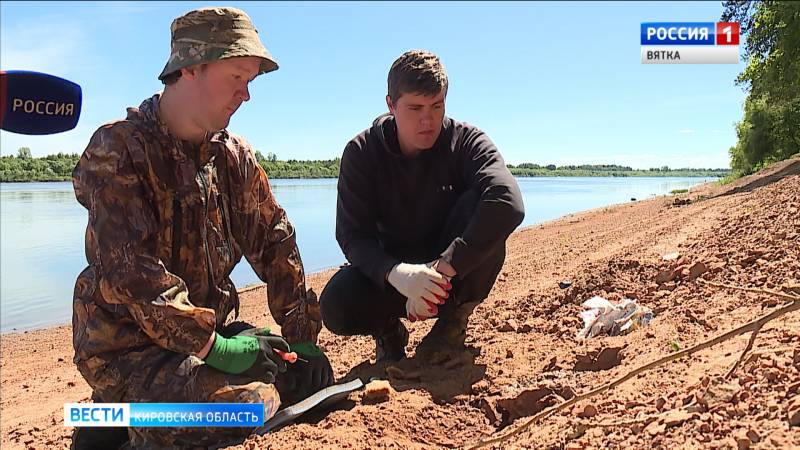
[24, 153]
[260, 158]
[770, 128]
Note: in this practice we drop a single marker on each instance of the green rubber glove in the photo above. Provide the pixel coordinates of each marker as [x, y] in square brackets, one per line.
[250, 352]
[306, 349]
[233, 355]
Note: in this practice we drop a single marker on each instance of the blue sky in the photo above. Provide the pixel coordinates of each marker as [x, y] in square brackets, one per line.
[557, 83]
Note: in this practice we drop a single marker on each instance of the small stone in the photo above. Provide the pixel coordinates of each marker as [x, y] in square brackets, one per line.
[772, 406]
[655, 428]
[697, 269]
[777, 441]
[671, 256]
[509, 325]
[681, 201]
[666, 275]
[577, 432]
[793, 412]
[509, 353]
[594, 433]
[526, 327]
[676, 417]
[771, 375]
[753, 436]
[489, 411]
[660, 403]
[716, 267]
[741, 438]
[695, 408]
[564, 284]
[743, 443]
[588, 411]
[480, 386]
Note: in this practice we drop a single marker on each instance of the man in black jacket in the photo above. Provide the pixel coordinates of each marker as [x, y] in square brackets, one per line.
[425, 205]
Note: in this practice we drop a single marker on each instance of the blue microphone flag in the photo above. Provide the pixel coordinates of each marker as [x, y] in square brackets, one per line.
[38, 103]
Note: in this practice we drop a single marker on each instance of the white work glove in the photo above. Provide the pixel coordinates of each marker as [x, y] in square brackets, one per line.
[423, 287]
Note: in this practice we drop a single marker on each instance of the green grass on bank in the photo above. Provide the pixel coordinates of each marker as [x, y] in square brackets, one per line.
[58, 167]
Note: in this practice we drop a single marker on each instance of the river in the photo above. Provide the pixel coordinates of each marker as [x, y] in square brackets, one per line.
[42, 229]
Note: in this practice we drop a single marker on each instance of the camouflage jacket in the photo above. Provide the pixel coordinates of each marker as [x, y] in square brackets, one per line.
[168, 221]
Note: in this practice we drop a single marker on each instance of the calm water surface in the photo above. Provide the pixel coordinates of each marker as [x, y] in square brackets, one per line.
[42, 228]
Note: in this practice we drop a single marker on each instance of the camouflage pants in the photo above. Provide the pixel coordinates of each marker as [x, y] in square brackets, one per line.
[158, 376]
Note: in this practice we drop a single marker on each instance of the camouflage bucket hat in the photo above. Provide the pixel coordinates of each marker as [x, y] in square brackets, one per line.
[209, 34]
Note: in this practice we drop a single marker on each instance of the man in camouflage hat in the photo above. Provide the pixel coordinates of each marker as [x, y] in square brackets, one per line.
[174, 202]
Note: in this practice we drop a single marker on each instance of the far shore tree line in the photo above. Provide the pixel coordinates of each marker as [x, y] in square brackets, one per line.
[58, 167]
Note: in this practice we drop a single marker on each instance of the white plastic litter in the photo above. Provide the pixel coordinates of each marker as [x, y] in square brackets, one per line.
[671, 256]
[604, 317]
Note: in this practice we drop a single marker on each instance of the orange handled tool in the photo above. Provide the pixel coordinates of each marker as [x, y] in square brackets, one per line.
[290, 357]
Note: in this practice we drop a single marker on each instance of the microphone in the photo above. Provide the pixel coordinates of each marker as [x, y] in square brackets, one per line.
[38, 103]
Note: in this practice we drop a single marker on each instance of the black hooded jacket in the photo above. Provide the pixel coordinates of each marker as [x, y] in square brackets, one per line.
[391, 208]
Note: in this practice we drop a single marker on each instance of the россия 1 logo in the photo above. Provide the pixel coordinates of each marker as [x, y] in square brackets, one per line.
[690, 42]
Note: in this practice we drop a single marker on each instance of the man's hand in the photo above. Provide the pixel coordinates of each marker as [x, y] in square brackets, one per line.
[249, 352]
[425, 310]
[268, 361]
[444, 268]
[420, 309]
[304, 378]
[423, 287]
